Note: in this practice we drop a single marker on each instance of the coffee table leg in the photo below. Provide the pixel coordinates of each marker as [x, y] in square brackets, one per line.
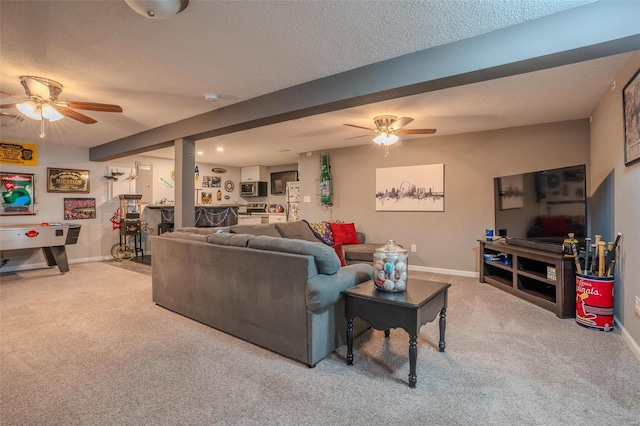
[413, 356]
[349, 341]
[443, 324]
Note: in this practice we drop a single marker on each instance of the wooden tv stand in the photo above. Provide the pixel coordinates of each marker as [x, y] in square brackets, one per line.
[530, 276]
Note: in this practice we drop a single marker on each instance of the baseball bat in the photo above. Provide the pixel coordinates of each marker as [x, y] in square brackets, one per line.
[612, 255]
[601, 245]
[587, 249]
[594, 266]
[574, 249]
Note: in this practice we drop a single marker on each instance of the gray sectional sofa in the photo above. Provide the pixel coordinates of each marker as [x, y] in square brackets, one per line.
[281, 293]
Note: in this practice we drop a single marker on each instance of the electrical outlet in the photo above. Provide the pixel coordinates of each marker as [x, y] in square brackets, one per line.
[413, 248]
[638, 306]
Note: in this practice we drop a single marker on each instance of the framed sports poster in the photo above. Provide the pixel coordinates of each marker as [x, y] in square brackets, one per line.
[79, 208]
[18, 194]
[631, 114]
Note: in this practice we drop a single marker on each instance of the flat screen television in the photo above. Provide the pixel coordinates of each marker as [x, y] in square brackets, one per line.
[539, 209]
[279, 181]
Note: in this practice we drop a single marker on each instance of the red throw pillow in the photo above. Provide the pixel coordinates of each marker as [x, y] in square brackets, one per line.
[344, 233]
[340, 253]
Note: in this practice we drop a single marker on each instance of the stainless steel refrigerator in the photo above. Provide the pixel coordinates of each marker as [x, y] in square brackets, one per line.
[292, 197]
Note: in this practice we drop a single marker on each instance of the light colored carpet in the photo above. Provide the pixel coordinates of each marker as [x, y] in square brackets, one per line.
[90, 347]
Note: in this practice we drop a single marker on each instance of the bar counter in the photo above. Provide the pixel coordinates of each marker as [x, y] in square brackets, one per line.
[206, 216]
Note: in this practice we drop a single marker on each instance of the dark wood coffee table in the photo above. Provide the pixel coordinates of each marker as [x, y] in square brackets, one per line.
[410, 310]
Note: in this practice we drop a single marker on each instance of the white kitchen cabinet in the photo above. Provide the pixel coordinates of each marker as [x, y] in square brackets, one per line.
[254, 174]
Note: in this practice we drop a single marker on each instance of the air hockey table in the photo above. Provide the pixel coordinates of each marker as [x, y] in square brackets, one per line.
[52, 238]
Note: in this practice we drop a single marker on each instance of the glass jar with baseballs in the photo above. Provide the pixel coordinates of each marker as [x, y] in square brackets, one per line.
[390, 263]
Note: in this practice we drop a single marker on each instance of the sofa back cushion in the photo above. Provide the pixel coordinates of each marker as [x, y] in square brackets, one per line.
[325, 257]
[229, 239]
[299, 230]
[262, 229]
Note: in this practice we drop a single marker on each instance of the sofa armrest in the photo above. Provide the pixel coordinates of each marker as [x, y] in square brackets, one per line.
[324, 290]
[361, 237]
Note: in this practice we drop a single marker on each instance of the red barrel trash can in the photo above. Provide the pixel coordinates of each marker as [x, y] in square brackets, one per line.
[594, 302]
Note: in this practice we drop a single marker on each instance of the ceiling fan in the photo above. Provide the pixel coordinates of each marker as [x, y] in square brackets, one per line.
[42, 102]
[388, 127]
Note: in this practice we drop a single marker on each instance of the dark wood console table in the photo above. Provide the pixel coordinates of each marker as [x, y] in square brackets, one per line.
[544, 278]
[421, 303]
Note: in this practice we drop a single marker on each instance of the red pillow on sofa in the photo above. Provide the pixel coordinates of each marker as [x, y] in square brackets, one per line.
[344, 233]
[340, 253]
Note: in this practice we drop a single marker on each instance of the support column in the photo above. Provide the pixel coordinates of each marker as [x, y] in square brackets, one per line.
[185, 160]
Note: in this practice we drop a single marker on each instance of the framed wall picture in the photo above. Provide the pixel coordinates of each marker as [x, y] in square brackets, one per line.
[410, 188]
[18, 194]
[67, 180]
[631, 114]
[79, 208]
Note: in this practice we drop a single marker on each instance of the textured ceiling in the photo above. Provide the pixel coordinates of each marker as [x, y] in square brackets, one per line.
[159, 71]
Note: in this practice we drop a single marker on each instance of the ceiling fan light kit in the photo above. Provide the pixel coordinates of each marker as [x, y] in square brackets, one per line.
[30, 109]
[42, 102]
[386, 138]
[388, 128]
[157, 9]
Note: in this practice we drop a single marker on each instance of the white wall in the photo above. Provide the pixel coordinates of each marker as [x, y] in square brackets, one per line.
[446, 241]
[607, 156]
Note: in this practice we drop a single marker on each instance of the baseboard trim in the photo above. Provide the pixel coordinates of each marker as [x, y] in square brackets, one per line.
[444, 271]
[633, 345]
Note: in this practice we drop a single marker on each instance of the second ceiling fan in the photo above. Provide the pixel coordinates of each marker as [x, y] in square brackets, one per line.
[388, 127]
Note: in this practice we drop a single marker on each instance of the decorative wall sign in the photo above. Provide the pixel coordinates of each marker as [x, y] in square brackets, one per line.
[67, 180]
[18, 194]
[411, 188]
[21, 154]
[219, 170]
[228, 186]
[631, 107]
[79, 208]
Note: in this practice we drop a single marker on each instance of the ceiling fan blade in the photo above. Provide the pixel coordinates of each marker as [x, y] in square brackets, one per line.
[416, 132]
[359, 127]
[75, 115]
[11, 94]
[8, 106]
[92, 106]
[355, 137]
[400, 122]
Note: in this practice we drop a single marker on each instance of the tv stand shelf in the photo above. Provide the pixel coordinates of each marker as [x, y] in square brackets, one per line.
[530, 276]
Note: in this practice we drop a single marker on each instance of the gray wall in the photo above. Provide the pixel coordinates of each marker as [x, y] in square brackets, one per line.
[446, 241]
[607, 136]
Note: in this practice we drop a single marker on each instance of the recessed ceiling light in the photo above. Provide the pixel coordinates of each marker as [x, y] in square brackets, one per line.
[200, 152]
[211, 97]
[219, 149]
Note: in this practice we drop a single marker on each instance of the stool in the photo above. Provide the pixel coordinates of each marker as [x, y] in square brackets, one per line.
[165, 227]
